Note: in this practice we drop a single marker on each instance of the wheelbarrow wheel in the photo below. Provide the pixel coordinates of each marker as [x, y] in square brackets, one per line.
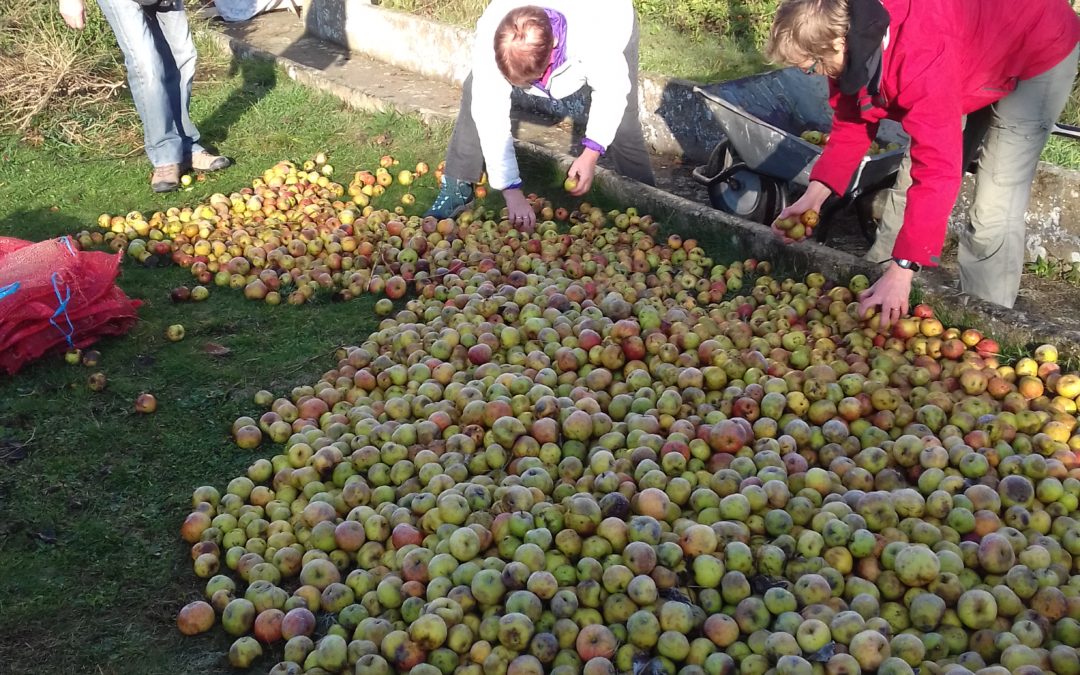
[745, 193]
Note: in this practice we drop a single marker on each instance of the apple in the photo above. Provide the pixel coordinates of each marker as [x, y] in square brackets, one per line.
[97, 382]
[180, 294]
[195, 617]
[238, 617]
[146, 403]
[244, 651]
[174, 333]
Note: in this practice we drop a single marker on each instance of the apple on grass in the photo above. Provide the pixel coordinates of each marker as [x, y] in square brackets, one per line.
[146, 403]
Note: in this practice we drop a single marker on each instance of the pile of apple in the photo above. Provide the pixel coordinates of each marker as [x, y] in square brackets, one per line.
[600, 453]
[293, 233]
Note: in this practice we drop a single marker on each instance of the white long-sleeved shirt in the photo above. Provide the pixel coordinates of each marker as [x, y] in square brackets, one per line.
[597, 33]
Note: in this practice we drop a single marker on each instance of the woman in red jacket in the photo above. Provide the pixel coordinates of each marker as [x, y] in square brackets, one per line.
[929, 64]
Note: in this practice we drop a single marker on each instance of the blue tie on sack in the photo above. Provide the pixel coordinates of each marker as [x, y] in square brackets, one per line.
[66, 241]
[61, 310]
[8, 290]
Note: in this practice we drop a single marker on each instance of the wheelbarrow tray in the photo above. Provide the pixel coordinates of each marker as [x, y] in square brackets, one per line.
[764, 115]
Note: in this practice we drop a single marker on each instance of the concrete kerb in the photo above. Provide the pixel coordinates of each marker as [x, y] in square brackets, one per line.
[739, 237]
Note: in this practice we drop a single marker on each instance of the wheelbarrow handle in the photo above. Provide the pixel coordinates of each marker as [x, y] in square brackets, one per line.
[723, 175]
[1068, 131]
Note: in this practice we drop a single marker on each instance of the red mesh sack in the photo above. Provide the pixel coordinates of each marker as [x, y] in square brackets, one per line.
[54, 296]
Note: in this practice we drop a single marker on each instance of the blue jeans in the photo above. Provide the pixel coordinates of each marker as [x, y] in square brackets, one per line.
[160, 58]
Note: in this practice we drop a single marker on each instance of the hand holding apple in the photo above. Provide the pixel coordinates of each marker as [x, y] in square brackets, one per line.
[890, 293]
[791, 219]
[580, 176]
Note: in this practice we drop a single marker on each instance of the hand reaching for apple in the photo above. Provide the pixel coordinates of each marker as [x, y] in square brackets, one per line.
[518, 210]
[889, 293]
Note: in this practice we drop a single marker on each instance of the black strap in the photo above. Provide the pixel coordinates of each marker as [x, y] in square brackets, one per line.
[158, 5]
[867, 24]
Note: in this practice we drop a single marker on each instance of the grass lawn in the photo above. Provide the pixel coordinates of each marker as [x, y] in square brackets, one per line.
[91, 494]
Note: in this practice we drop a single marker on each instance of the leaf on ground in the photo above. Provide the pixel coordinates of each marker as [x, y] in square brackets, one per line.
[215, 349]
[145, 360]
[12, 451]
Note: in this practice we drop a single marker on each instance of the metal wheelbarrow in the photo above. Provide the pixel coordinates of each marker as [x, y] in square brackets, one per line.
[762, 163]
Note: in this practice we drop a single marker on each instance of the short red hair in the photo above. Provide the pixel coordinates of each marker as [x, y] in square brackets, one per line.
[523, 44]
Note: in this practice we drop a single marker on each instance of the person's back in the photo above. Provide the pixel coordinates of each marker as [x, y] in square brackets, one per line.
[597, 32]
[994, 43]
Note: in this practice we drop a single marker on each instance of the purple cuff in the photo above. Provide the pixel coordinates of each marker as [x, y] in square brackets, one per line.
[513, 186]
[593, 145]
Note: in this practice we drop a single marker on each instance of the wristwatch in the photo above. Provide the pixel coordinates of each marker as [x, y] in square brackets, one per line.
[906, 264]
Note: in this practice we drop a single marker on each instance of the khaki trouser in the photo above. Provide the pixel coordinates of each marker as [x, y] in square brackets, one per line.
[991, 253]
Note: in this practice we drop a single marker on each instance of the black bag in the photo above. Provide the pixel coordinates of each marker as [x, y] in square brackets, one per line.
[159, 5]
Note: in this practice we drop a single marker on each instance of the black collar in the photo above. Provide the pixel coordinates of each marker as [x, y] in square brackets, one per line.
[868, 23]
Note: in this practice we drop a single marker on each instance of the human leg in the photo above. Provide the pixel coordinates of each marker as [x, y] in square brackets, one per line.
[992, 246]
[147, 80]
[892, 217]
[628, 151]
[464, 161]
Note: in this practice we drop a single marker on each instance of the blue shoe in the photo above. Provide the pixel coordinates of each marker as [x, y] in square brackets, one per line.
[454, 197]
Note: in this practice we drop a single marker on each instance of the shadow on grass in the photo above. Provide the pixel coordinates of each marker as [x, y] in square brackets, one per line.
[38, 224]
[258, 78]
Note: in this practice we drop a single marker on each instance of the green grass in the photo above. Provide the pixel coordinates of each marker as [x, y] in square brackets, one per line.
[1063, 152]
[91, 494]
[699, 58]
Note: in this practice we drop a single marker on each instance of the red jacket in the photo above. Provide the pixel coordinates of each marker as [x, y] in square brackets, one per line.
[942, 59]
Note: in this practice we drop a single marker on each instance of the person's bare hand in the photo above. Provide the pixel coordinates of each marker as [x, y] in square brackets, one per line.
[74, 13]
[582, 171]
[890, 293]
[811, 200]
[518, 210]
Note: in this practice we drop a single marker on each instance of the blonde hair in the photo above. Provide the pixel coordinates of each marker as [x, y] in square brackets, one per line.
[523, 44]
[806, 29]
